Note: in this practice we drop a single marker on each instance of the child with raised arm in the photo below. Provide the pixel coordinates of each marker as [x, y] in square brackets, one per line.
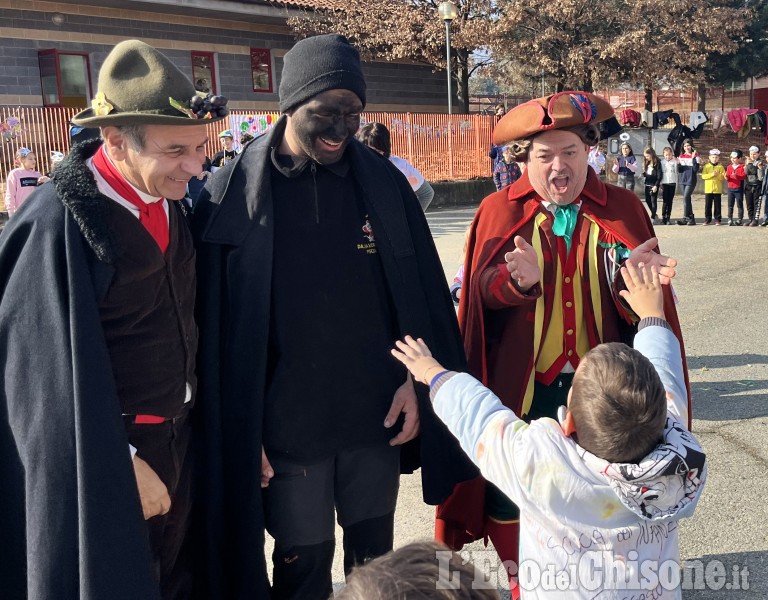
[602, 491]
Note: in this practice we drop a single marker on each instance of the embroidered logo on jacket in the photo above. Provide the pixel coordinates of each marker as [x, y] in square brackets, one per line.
[370, 245]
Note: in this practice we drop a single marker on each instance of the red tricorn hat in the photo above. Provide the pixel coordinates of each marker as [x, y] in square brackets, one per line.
[558, 111]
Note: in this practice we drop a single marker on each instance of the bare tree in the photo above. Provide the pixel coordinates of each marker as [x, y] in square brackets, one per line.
[560, 44]
[397, 29]
[585, 44]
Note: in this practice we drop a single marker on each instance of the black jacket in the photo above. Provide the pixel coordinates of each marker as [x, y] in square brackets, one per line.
[72, 521]
[233, 223]
[654, 178]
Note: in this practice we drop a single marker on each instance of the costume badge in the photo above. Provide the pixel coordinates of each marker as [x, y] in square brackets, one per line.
[369, 246]
[585, 106]
[368, 230]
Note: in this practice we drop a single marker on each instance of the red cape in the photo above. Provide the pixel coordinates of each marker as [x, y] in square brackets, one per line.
[461, 518]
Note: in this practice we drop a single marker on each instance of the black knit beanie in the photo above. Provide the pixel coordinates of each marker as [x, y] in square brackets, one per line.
[318, 64]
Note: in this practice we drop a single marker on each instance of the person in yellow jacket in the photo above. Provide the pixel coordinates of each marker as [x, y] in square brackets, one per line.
[713, 175]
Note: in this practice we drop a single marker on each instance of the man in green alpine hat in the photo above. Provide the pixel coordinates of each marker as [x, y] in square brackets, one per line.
[99, 341]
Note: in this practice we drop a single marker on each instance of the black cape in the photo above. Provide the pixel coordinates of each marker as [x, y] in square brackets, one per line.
[234, 228]
[72, 526]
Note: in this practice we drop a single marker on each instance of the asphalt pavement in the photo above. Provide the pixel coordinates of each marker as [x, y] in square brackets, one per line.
[723, 307]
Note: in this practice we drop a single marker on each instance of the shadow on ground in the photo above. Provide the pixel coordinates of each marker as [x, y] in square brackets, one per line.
[729, 400]
[724, 361]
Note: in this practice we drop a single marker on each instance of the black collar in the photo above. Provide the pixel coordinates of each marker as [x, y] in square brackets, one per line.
[292, 166]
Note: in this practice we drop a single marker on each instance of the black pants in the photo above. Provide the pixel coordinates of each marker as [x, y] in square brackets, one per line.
[546, 400]
[667, 195]
[164, 447]
[360, 484]
[735, 196]
[651, 199]
[709, 201]
[687, 203]
[751, 195]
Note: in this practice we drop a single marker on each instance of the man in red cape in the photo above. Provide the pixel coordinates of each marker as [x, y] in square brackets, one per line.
[541, 285]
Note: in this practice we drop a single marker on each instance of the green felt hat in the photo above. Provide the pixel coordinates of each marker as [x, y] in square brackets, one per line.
[138, 85]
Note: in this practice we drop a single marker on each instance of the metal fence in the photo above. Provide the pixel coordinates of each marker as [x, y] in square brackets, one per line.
[442, 147]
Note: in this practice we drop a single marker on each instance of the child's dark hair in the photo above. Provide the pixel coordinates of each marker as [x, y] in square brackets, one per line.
[618, 404]
[376, 136]
[418, 571]
[738, 153]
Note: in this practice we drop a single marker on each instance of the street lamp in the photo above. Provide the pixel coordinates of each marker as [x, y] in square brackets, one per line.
[448, 12]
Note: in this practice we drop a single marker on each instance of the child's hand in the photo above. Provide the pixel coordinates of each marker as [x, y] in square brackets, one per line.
[415, 355]
[644, 293]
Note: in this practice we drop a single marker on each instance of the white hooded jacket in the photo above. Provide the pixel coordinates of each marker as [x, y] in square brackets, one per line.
[588, 528]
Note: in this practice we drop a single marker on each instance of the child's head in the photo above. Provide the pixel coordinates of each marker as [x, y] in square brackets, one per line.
[227, 140]
[736, 157]
[25, 159]
[649, 154]
[668, 153]
[508, 154]
[626, 149]
[754, 152]
[414, 571]
[377, 137]
[688, 147]
[714, 156]
[617, 404]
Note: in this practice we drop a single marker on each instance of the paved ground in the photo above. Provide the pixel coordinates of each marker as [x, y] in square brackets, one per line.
[724, 312]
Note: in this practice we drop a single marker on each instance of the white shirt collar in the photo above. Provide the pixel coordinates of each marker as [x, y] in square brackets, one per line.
[552, 207]
[110, 193]
[146, 198]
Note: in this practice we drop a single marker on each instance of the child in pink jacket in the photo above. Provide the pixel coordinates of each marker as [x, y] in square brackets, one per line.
[21, 181]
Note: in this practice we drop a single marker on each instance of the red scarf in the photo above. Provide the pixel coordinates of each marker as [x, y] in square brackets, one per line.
[151, 215]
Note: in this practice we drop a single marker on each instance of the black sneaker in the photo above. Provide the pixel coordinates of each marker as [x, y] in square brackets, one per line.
[691, 221]
[764, 223]
[730, 223]
[738, 222]
[682, 221]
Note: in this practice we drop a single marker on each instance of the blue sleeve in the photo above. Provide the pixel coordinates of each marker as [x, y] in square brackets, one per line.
[661, 346]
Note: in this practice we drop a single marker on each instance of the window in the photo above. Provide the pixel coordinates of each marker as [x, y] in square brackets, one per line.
[204, 72]
[65, 78]
[261, 69]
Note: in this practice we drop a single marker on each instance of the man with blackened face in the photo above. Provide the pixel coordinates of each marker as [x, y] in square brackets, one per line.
[313, 247]
[322, 127]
